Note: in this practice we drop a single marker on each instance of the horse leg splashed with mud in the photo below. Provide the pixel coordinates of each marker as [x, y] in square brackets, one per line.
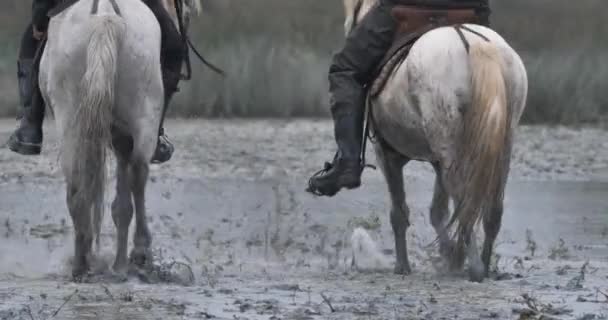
[100, 74]
[456, 109]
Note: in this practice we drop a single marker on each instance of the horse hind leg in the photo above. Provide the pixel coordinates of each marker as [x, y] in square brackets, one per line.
[122, 212]
[80, 211]
[439, 213]
[98, 208]
[477, 271]
[466, 249]
[491, 225]
[493, 220]
[140, 255]
[392, 165]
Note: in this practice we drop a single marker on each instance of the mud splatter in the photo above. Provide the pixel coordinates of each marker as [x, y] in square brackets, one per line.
[235, 236]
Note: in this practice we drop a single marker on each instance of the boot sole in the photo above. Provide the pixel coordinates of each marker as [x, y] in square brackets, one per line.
[26, 149]
[161, 158]
[349, 185]
[352, 185]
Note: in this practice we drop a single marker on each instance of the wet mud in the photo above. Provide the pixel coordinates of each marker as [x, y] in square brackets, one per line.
[236, 237]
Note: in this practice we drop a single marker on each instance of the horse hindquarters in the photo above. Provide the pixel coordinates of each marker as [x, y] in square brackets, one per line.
[482, 163]
[88, 134]
[460, 97]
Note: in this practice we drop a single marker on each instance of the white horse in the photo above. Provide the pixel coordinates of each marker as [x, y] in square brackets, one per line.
[101, 75]
[458, 111]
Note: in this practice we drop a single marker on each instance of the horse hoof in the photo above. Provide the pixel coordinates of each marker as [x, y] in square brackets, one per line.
[476, 274]
[140, 258]
[447, 248]
[403, 270]
[117, 277]
[80, 276]
[119, 269]
[79, 272]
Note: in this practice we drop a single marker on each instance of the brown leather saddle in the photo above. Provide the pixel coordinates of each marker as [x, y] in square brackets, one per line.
[413, 22]
[61, 5]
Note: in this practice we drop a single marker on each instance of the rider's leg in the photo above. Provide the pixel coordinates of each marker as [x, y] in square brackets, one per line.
[351, 69]
[484, 16]
[27, 138]
[173, 52]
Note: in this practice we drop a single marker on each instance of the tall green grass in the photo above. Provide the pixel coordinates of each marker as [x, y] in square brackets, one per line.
[277, 53]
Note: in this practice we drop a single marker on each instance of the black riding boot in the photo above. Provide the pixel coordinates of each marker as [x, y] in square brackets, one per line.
[27, 139]
[173, 52]
[345, 171]
[351, 69]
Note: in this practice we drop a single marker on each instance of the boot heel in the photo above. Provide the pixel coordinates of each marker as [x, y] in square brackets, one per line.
[26, 149]
[351, 182]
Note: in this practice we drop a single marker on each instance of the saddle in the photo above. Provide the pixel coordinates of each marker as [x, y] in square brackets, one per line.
[412, 23]
[61, 5]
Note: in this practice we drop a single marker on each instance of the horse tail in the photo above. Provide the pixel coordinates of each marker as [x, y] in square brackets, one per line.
[92, 120]
[484, 142]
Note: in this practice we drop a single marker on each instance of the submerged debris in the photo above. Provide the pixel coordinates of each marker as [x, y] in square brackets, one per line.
[46, 231]
[576, 283]
[370, 223]
[563, 270]
[531, 244]
[164, 271]
[560, 251]
[537, 310]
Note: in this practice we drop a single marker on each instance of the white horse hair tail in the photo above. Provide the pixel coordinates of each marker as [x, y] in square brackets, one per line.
[484, 141]
[91, 123]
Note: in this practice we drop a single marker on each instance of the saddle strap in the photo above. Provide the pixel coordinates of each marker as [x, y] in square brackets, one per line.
[60, 6]
[466, 43]
[95, 7]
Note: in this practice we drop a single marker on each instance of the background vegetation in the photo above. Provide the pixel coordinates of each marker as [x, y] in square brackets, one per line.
[277, 53]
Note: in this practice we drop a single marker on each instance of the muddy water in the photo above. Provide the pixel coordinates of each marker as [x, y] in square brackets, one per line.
[230, 205]
[263, 248]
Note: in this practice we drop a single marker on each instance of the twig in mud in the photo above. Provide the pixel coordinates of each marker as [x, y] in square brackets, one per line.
[495, 263]
[211, 275]
[29, 312]
[560, 251]
[597, 299]
[328, 302]
[534, 308]
[107, 291]
[530, 302]
[9, 229]
[562, 270]
[293, 297]
[267, 235]
[577, 282]
[308, 292]
[604, 294]
[64, 303]
[424, 305]
[531, 244]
